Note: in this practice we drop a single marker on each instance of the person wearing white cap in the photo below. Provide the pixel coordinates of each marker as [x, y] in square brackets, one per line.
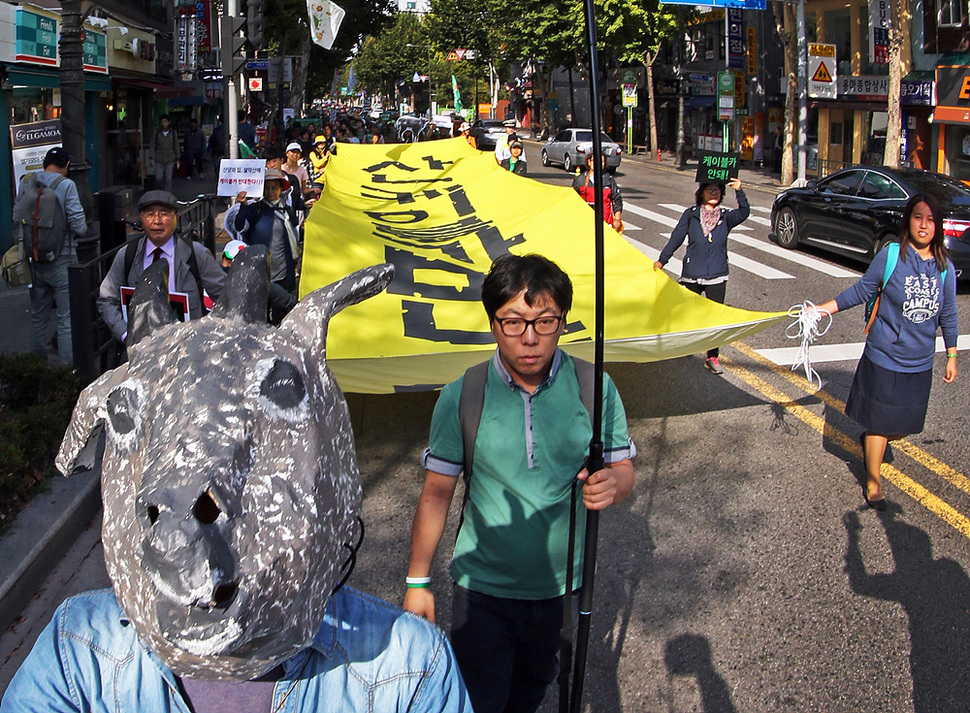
[280, 301]
[466, 133]
[502, 152]
[297, 170]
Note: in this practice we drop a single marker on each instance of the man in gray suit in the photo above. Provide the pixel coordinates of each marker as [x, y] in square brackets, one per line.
[192, 268]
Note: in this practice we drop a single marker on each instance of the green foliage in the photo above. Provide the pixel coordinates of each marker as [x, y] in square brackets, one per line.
[387, 57]
[36, 401]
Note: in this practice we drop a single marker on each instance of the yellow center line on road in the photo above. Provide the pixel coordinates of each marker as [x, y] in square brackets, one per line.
[926, 460]
[920, 494]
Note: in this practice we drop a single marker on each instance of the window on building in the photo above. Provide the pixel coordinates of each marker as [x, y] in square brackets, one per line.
[950, 12]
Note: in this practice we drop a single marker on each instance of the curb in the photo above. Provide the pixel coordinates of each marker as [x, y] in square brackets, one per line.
[21, 585]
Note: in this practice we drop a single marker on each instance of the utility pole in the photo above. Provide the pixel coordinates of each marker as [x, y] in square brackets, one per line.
[230, 45]
[802, 95]
[72, 100]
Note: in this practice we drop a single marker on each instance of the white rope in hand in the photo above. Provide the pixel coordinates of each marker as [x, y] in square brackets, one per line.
[806, 329]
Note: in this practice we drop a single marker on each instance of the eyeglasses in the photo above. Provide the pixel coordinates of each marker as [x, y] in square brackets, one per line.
[516, 326]
[161, 213]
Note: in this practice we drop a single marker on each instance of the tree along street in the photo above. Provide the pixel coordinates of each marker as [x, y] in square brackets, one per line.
[745, 573]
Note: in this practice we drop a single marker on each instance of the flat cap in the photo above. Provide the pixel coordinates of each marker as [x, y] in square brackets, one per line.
[158, 198]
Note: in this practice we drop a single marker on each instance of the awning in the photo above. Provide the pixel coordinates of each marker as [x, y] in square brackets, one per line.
[21, 76]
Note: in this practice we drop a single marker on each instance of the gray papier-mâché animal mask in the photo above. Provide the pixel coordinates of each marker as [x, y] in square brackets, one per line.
[230, 482]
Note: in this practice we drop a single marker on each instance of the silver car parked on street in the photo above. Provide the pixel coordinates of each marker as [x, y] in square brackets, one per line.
[570, 147]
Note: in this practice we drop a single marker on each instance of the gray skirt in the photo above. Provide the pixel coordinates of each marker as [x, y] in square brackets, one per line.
[890, 403]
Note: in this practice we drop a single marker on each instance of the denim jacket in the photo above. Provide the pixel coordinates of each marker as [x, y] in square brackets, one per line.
[367, 656]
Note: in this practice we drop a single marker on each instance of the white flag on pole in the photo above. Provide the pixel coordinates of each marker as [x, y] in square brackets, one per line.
[325, 19]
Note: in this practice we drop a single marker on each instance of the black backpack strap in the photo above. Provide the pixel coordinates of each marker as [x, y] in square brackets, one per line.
[194, 269]
[469, 417]
[131, 252]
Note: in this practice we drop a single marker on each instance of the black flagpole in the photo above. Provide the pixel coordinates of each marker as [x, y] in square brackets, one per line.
[594, 462]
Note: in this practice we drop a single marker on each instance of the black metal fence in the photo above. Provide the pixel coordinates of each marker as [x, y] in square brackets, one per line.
[95, 350]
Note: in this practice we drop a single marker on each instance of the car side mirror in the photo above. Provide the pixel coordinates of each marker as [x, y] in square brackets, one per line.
[810, 185]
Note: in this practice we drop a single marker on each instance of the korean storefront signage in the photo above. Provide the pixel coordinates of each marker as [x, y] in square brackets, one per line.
[736, 58]
[822, 68]
[29, 144]
[36, 38]
[917, 92]
[872, 87]
[752, 49]
[880, 22]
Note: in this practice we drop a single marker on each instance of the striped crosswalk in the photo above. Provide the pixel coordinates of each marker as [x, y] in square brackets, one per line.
[739, 236]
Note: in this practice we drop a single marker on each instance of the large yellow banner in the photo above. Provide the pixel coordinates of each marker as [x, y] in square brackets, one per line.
[441, 212]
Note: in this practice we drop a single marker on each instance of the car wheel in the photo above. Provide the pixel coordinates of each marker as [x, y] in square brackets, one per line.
[567, 163]
[880, 243]
[786, 228]
[545, 158]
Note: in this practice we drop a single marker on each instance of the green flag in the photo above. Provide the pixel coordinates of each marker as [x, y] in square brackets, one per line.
[454, 86]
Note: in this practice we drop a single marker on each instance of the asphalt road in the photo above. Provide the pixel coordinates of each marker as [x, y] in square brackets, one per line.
[745, 573]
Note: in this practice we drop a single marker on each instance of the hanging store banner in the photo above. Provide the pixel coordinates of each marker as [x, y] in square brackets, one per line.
[36, 38]
[752, 49]
[880, 22]
[441, 212]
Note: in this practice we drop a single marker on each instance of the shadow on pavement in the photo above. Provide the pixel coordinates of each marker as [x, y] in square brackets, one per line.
[934, 594]
[690, 655]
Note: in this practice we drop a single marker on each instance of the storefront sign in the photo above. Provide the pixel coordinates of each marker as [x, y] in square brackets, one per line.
[736, 58]
[952, 94]
[36, 38]
[95, 52]
[864, 87]
[880, 22]
[822, 68]
[917, 92]
[702, 85]
[29, 144]
[752, 50]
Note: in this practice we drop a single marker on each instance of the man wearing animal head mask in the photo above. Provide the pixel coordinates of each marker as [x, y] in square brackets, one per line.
[231, 512]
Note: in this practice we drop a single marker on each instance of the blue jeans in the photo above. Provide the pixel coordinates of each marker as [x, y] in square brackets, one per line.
[163, 176]
[507, 649]
[49, 285]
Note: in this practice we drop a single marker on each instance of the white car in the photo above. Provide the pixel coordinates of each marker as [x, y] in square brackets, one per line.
[570, 147]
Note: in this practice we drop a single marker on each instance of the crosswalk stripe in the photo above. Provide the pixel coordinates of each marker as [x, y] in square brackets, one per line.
[739, 261]
[852, 351]
[673, 266]
[761, 209]
[759, 220]
[792, 256]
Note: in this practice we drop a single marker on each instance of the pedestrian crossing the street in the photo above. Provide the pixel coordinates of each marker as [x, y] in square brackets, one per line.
[738, 236]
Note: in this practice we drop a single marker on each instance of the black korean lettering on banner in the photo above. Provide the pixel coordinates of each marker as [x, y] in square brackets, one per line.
[419, 323]
[435, 164]
[387, 164]
[459, 199]
[402, 197]
[407, 263]
[381, 178]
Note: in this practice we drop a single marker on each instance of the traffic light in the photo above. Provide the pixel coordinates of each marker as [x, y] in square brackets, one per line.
[232, 44]
[254, 20]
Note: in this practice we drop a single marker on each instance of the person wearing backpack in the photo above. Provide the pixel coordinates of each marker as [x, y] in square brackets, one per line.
[192, 268]
[532, 411]
[49, 216]
[891, 387]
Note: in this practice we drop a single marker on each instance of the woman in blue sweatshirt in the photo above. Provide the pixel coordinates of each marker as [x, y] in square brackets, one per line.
[891, 387]
[706, 227]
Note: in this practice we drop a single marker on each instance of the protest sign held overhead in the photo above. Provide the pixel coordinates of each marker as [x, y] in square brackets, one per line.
[717, 167]
[241, 174]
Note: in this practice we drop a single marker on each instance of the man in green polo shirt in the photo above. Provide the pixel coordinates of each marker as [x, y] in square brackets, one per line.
[509, 563]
